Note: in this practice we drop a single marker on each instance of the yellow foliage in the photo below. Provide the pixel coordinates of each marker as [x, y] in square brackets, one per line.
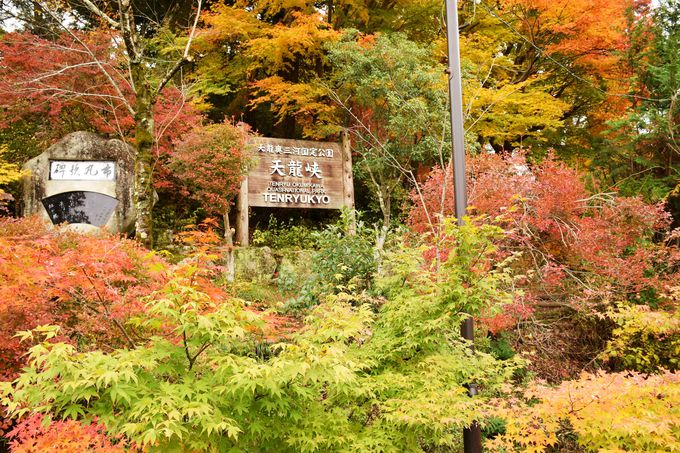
[503, 98]
[645, 340]
[511, 110]
[8, 172]
[307, 101]
[607, 412]
[229, 23]
[282, 47]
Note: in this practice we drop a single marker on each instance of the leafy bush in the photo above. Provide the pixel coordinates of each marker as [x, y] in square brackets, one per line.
[37, 435]
[282, 235]
[87, 284]
[605, 412]
[343, 261]
[580, 249]
[644, 340]
[575, 254]
[209, 163]
[351, 379]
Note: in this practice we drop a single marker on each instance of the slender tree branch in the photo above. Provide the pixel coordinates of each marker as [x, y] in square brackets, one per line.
[94, 58]
[186, 58]
[92, 7]
[118, 325]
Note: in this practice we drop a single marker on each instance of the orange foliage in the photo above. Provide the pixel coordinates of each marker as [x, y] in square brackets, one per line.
[86, 284]
[590, 31]
[32, 436]
[592, 36]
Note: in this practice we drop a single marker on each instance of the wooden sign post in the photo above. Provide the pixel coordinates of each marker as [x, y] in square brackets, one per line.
[295, 174]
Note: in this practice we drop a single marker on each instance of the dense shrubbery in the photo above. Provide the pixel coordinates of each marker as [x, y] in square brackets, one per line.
[558, 267]
[597, 412]
[573, 251]
[88, 285]
[345, 259]
[576, 248]
[391, 379]
[644, 340]
[169, 361]
[284, 236]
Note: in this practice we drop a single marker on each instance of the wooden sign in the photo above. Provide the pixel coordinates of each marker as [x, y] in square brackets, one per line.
[295, 174]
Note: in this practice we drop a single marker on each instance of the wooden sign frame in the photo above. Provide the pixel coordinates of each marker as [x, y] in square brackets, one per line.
[295, 174]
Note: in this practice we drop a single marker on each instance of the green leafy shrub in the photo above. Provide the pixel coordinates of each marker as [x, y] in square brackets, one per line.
[644, 340]
[281, 235]
[343, 261]
[350, 380]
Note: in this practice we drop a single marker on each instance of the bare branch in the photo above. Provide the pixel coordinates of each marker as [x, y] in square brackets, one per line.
[59, 71]
[94, 59]
[92, 7]
[186, 58]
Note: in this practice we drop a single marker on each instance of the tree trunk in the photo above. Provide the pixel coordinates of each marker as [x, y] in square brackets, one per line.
[144, 138]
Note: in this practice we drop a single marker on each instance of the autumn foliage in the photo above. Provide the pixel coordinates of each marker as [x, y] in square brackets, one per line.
[89, 285]
[567, 262]
[74, 82]
[208, 165]
[600, 412]
[574, 248]
[36, 435]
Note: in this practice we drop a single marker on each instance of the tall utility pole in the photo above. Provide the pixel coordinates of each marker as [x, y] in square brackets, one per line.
[472, 436]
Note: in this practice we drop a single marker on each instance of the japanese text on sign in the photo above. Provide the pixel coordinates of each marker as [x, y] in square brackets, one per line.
[294, 150]
[65, 170]
[312, 170]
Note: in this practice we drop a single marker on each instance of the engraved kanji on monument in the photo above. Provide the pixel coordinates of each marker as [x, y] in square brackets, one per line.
[83, 180]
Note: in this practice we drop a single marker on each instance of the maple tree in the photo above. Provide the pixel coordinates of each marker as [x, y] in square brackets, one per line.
[562, 59]
[209, 162]
[270, 54]
[552, 217]
[263, 60]
[31, 435]
[193, 381]
[573, 251]
[89, 285]
[640, 412]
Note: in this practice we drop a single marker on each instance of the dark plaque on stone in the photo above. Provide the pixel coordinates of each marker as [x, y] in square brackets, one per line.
[79, 206]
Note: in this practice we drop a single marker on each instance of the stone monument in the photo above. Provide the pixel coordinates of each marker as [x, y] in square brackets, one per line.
[85, 181]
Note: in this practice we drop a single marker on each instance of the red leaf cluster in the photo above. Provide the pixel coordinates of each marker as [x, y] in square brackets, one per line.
[77, 81]
[85, 284]
[209, 163]
[576, 248]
